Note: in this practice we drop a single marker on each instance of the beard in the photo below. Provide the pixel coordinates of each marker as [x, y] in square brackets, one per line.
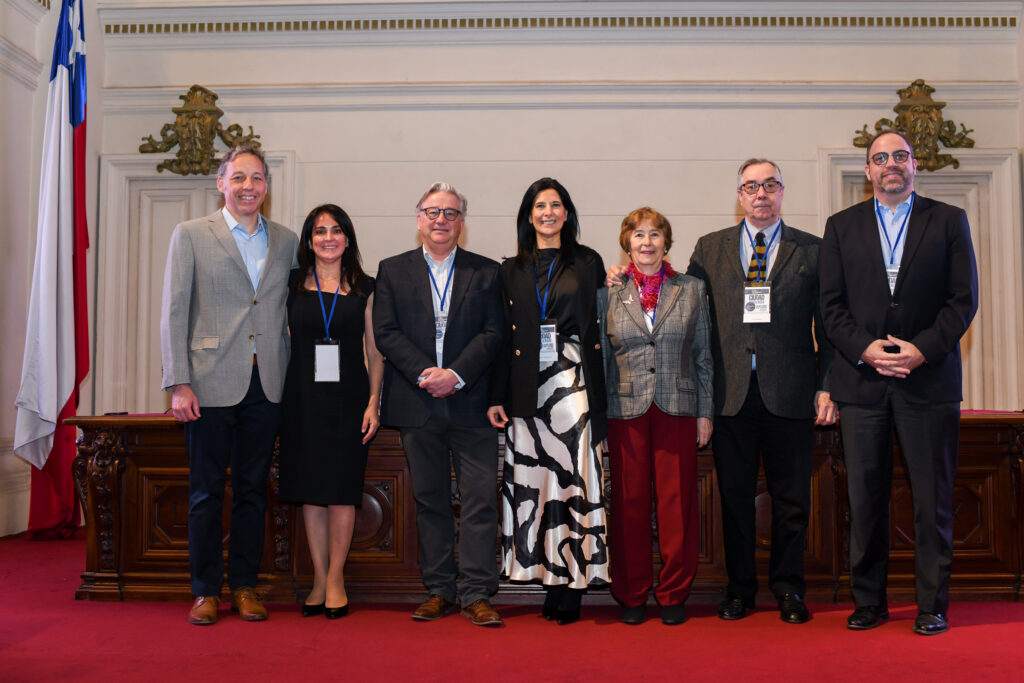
[893, 184]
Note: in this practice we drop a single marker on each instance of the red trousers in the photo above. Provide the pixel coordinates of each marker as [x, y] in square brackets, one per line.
[663, 448]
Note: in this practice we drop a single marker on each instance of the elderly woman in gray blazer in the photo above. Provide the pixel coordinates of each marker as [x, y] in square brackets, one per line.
[655, 341]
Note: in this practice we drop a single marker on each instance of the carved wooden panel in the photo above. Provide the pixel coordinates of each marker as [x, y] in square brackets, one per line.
[132, 473]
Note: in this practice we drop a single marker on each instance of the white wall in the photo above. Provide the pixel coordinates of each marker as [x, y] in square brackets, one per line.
[656, 106]
[21, 69]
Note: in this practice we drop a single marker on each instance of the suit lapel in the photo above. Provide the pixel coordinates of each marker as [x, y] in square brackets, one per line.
[421, 284]
[461, 276]
[787, 247]
[629, 297]
[915, 234]
[268, 262]
[669, 293]
[222, 233]
[732, 254]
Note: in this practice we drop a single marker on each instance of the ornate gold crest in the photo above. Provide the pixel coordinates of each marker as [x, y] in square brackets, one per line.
[919, 117]
[196, 125]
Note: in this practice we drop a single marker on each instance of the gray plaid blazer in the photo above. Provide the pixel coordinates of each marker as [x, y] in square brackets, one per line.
[670, 366]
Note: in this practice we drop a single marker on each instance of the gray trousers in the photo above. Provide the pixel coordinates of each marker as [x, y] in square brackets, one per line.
[432, 450]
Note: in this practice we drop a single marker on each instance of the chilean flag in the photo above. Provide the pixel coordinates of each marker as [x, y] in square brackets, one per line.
[57, 339]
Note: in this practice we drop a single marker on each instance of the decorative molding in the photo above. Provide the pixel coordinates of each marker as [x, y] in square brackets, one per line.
[560, 95]
[19, 64]
[33, 10]
[511, 21]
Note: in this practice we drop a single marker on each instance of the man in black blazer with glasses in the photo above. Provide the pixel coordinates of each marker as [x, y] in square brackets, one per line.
[438, 319]
[899, 288]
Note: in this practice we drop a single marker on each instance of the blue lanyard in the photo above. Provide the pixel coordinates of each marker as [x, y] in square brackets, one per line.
[547, 286]
[442, 296]
[323, 310]
[767, 249]
[885, 232]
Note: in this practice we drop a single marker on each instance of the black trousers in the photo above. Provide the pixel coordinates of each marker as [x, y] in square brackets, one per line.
[784, 446]
[432, 450]
[242, 437]
[929, 436]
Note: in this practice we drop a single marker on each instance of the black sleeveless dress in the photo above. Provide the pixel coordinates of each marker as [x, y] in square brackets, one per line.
[322, 458]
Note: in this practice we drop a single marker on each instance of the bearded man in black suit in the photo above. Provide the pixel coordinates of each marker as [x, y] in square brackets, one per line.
[899, 288]
[438, 320]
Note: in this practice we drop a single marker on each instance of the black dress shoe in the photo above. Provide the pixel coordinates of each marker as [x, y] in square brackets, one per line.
[336, 612]
[673, 615]
[734, 607]
[792, 609]
[930, 623]
[634, 615]
[864, 618]
[312, 610]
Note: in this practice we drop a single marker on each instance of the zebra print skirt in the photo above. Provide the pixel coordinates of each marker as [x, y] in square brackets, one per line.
[553, 523]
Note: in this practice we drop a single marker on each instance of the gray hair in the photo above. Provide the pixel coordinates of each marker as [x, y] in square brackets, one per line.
[244, 148]
[754, 162]
[444, 187]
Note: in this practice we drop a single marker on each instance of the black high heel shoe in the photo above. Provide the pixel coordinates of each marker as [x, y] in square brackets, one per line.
[552, 598]
[312, 610]
[336, 612]
[569, 607]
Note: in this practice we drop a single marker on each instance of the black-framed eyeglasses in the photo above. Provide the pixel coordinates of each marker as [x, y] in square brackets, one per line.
[770, 186]
[900, 156]
[432, 212]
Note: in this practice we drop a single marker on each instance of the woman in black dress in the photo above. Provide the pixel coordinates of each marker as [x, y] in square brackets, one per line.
[330, 404]
[548, 392]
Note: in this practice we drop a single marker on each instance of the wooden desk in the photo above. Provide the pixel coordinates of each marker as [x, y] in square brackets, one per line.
[132, 475]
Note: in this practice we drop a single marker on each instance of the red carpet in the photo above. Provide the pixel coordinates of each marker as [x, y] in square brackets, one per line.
[45, 634]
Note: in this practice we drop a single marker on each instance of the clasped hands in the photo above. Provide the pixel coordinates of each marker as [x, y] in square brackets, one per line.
[896, 364]
[438, 382]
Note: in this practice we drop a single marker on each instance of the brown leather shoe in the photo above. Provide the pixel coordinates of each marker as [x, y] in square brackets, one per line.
[204, 611]
[248, 604]
[434, 608]
[482, 614]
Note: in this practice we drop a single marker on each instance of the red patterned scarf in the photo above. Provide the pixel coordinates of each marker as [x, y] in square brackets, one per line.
[649, 286]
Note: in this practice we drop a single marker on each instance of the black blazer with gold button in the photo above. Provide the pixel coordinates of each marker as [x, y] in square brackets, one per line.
[514, 384]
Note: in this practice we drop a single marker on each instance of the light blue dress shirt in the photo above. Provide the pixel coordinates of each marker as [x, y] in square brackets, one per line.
[253, 248]
[889, 223]
[441, 272]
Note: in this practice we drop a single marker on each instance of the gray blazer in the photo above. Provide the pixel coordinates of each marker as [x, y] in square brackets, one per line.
[211, 320]
[789, 372]
[670, 366]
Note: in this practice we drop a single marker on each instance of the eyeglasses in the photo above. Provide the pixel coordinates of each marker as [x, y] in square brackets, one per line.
[900, 156]
[770, 186]
[433, 212]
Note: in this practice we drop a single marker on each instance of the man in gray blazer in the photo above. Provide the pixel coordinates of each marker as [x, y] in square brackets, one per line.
[770, 385]
[224, 341]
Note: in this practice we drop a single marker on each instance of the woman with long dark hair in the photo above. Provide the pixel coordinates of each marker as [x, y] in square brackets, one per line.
[331, 402]
[548, 393]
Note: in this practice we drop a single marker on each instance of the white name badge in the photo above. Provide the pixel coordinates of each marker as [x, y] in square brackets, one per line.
[440, 323]
[757, 303]
[327, 362]
[892, 272]
[548, 343]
